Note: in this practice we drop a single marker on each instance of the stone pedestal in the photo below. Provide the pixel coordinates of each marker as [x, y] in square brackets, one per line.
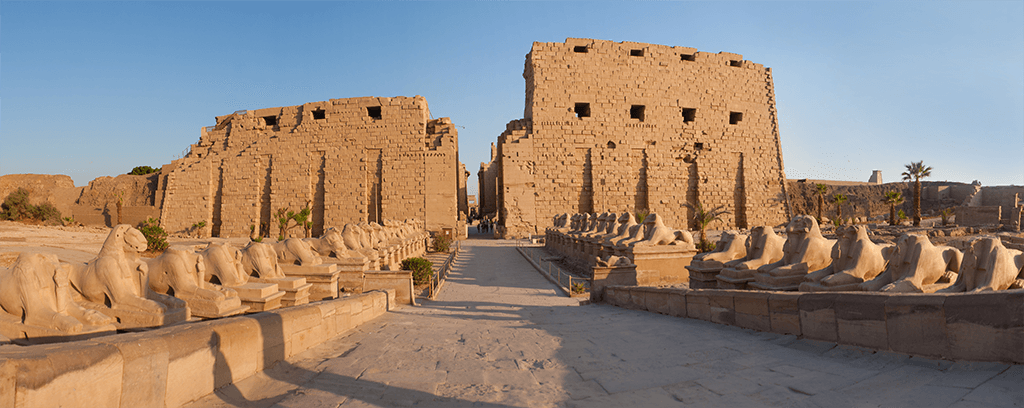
[260, 297]
[12, 328]
[785, 278]
[661, 265]
[323, 277]
[703, 274]
[732, 278]
[400, 281]
[351, 270]
[296, 290]
[130, 318]
[604, 276]
[208, 308]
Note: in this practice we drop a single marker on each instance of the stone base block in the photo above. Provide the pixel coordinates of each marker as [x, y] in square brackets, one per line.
[12, 328]
[207, 308]
[324, 279]
[264, 304]
[128, 319]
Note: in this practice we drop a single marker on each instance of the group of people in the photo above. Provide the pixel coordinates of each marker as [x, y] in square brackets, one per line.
[484, 225]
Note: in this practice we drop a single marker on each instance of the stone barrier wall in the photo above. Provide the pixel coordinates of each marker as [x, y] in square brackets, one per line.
[978, 327]
[172, 366]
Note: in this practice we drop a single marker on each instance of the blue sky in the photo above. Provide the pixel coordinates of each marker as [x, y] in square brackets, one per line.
[91, 89]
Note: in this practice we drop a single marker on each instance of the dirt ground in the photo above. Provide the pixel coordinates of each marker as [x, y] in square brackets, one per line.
[70, 244]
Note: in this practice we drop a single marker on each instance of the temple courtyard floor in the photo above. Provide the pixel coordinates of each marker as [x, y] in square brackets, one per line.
[501, 335]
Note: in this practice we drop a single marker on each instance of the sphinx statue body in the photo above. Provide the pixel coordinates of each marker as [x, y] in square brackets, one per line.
[918, 266]
[805, 250]
[657, 233]
[116, 284]
[259, 262]
[989, 266]
[37, 305]
[705, 267]
[180, 272]
[763, 247]
[855, 259]
[223, 264]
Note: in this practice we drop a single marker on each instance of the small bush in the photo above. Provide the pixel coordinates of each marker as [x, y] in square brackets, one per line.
[442, 243]
[422, 269]
[16, 207]
[705, 246]
[578, 288]
[156, 237]
[141, 170]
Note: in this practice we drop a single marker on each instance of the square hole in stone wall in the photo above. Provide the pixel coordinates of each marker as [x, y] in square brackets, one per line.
[270, 120]
[582, 110]
[636, 112]
[636, 53]
[319, 114]
[735, 117]
[698, 146]
[689, 115]
[580, 48]
[373, 112]
[735, 63]
[687, 57]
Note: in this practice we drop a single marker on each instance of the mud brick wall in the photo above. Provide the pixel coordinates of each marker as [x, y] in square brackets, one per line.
[629, 126]
[350, 160]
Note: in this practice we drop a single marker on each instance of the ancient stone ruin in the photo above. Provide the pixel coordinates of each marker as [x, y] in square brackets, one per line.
[629, 126]
[349, 160]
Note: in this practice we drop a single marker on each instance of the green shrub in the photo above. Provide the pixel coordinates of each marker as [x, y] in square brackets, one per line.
[442, 243]
[140, 170]
[16, 207]
[422, 269]
[46, 212]
[156, 237]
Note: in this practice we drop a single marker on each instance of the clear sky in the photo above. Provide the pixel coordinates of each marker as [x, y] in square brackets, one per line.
[92, 89]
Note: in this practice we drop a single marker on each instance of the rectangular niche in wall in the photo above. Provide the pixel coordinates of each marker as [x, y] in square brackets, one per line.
[689, 114]
[636, 112]
[373, 112]
[582, 110]
[319, 114]
[270, 120]
[735, 117]
[580, 49]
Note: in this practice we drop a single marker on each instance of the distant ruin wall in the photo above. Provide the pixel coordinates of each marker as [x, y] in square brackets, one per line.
[351, 160]
[629, 126]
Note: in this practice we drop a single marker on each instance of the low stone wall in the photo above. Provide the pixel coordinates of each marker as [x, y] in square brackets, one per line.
[976, 327]
[174, 365]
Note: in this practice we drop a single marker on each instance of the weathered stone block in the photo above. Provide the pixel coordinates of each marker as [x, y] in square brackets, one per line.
[721, 308]
[818, 316]
[860, 320]
[145, 358]
[916, 324]
[657, 301]
[752, 310]
[697, 305]
[986, 326]
[677, 302]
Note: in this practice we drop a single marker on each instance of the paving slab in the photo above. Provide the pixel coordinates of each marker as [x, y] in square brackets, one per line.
[501, 335]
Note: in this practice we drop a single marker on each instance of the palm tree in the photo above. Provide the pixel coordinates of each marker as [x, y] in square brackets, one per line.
[821, 189]
[917, 171]
[893, 198]
[703, 219]
[839, 199]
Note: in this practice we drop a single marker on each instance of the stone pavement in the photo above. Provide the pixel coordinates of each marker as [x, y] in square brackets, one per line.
[500, 335]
